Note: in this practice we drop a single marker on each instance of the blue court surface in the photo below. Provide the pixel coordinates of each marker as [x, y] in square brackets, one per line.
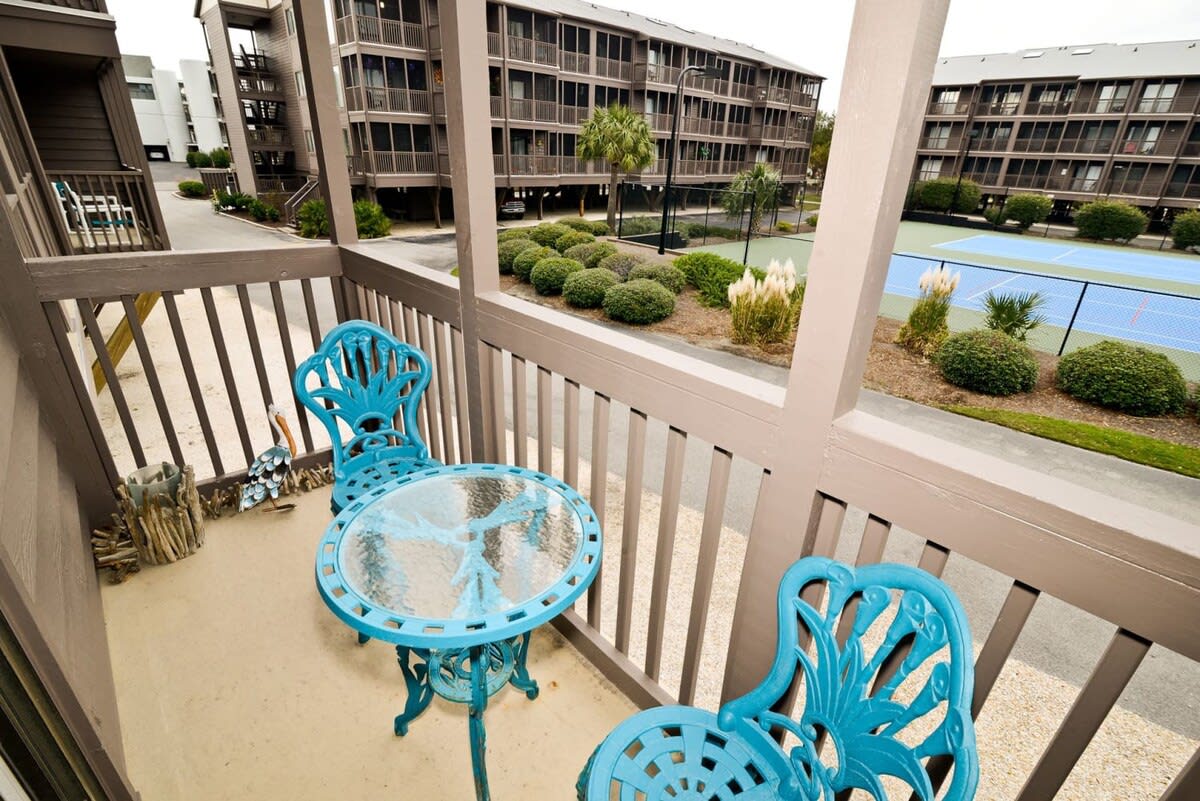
[1121, 262]
[1130, 314]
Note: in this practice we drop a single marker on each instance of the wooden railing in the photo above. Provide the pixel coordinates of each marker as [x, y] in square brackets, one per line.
[495, 46]
[573, 115]
[545, 53]
[520, 48]
[78, 5]
[655, 73]
[659, 122]
[498, 166]
[268, 136]
[742, 90]
[377, 30]
[527, 109]
[107, 211]
[497, 104]
[384, 162]
[400, 101]
[534, 165]
[613, 68]
[569, 61]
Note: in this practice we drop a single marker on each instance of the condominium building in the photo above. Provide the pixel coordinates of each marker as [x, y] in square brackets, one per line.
[551, 64]
[175, 113]
[1077, 123]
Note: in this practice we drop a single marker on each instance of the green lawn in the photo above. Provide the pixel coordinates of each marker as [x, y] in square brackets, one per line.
[1181, 459]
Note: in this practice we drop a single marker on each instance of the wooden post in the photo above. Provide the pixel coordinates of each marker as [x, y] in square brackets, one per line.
[437, 206]
[860, 215]
[469, 129]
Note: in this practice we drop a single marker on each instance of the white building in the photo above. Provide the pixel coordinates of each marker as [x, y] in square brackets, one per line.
[174, 116]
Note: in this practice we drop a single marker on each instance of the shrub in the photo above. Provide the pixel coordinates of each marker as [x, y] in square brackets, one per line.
[994, 215]
[694, 230]
[572, 238]
[1123, 377]
[784, 227]
[1026, 210]
[639, 302]
[1110, 219]
[621, 263]
[600, 228]
[670, 277]
[643, 224]
[192, 188]
[926, 328]
[764, 310]
[549, 274]
[313, 219]
[1185, 231]
[938, 194]
[190, 158]
[199, 160]
[219, 157]
[237, 201]
[509, 250]
[987, 361]
[370, 220]
[711, 275]
[579, 224]
[811, 220]
[514, 233]
[585, 289]
[522, 265]
[589, 254]
[547, 234]
[1015, 315]
[262, 211]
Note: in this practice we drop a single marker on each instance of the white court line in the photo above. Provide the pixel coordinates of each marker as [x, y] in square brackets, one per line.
[1064, 255]
[960, 241]
[988, 289]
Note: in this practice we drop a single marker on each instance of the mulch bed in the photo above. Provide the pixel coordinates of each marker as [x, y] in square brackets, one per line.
[890, 368]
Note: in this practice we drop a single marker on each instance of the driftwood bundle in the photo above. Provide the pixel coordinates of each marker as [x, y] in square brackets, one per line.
[305, 479]
[112, 548]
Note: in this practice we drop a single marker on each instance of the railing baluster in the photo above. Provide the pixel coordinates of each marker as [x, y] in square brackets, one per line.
[110, 376]
[599, 494]
[189, 373]
[520, 412]
[156, 392]
[412, 337]
[445, 389]
[310, 310]
[235, 403]
[460, 396]
[870, 551]
[631, 520]
[289, 359]
[381, 308]
[706, 567]
[496, 394]
[571, 432]
[1114, 670]
[668, 518]
[545, 420]
[431, 393]
[1187, 784]
[260, 366]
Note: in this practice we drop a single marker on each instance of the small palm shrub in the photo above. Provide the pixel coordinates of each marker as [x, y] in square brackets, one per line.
[572, 238]
[1015, 315]
[1123, 377]
[927, 327]
[547, 234]
[262, 211]
[1110, 219]
[1185, 231]
[639, 302]
[514, 233]
[522, 265]
[939, 194]
[590, 253]
[1026, 210]
[219, 157]
[313, 219]
[711, 275]
[509, 249]
[621, 263]
[585, 289]
[764, 310]
[549, 274]
[579, 224]
[192, 188]
[665, 274]
[600, 228]
[237, 201]
[987, 361]
[370, 220]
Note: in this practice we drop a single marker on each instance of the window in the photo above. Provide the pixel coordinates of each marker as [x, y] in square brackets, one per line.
[945, 101]
[607, 95]
[141, 91]
[937, 135]
[1157, 97]
[1141, 137]
[1001, 99]
[1111, 98]
[1085, 176]
[308, 141]
[929, 168]
[300, 84]
[349, 71]
[290, 19]
[614, 47]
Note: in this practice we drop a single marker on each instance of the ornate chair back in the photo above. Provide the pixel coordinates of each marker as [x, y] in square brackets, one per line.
[365, 387]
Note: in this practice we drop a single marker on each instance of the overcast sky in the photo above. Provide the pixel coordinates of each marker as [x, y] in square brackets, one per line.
[811, 34]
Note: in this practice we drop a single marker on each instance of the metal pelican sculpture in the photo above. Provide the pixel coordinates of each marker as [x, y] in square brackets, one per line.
[271, 467]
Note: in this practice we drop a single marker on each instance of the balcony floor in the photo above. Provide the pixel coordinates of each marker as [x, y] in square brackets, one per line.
[234, 681]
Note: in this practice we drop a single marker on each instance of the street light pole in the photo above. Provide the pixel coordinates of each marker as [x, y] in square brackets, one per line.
[961, 166]
[709, 72]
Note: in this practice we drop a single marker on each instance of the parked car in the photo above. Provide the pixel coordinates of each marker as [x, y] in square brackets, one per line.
[512, 210]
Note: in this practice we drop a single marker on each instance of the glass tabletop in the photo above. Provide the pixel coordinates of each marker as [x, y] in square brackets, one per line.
[460, 546]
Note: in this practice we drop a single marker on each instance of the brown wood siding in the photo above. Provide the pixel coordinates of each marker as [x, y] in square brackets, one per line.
[44, 540]
[279, 47]
[65, 111]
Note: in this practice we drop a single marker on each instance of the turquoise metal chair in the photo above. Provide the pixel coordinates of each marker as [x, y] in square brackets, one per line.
[854, 728]
[365, 386]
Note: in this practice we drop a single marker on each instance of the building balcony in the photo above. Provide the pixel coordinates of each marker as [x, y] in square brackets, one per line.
[613, 68]
[743, 91]
[532, 51]
[106, 211]
[533, 165]
[1190, 149]
[580, 63]
[252, 63]
[269, 137]
[495, 44]
[533, 110]
[573, 115]
[382, 162]
[1086, 145]
[396, 101]
[772, 94]
[955, 108]
[994, 109]
[376, 30]
[77, 5]
[1048, 107]
[655, 73]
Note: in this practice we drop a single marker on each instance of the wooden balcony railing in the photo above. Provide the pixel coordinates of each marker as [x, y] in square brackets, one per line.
[107, 211]
[256, 84]
[400, 101]
[252, 62]
[955, 107]
[655, 73]
[1036, 145]
[694, 125]
[376, 30]
[570, 165]
[997, 109]
[771, 94]
[1048, 107]
[1086, 145]
[613, 68]
[737, 130]
[383, 162]
[78, 5]
[534, 165]
[1190, 149]
[354, 164]
[526, 109]
[545, 53]
[777, 133]
[659, 122]
[497, 107]
[520, 48]
[742, 90]
[498, 166]
[573, 115]
[495, 44]
[274, 136]
[575, 62]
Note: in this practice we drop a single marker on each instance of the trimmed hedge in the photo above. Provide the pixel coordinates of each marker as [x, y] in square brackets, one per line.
[1185, 231]
[572, 238]
[938, 194]
[1123, 377]
[639, 302]
[600, 228]
[547, 234]
[1026, 210]
[514, 233]
[670, 277]
[1110, 219]
[198, 159]
[549, 274]
[987, 361]
[590, 253]
[696, 230]
[192, 188]
[585, 289]
[711, 275]
[522, 265]
[578, 224]
[509, 250]
[642, 224]
[219, 157]
[621, 263]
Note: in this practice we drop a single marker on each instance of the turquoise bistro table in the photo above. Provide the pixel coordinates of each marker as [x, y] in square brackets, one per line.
[456, 566]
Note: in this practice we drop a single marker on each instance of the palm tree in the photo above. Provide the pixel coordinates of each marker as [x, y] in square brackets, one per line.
[623, 138]
[761, 183]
